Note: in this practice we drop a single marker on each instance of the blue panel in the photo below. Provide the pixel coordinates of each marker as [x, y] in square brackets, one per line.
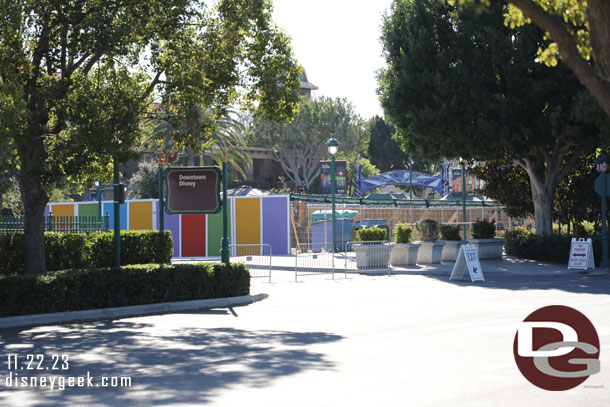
[109, 210]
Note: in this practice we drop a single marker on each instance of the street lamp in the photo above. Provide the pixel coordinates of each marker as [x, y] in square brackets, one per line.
[463, 194]
[601, 187]
[333, 147]
[98, 196]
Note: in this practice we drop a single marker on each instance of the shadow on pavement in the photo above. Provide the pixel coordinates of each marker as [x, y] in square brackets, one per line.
[573, 283]
[185, 366]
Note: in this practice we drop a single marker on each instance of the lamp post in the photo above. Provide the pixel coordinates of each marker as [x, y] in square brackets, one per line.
[602, 189]
[224, 250]
[98, 196]
[463, 195]
[410, 177]
[333, 147]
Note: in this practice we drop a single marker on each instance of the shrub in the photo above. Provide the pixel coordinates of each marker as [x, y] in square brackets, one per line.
[371, 234]
[428, 230]
[82, 289]
[403, 233]
[484, 229]
[449, 232]
[77, 250]
[554, 248]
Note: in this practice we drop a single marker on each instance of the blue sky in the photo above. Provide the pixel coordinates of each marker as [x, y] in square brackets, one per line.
[337, 42]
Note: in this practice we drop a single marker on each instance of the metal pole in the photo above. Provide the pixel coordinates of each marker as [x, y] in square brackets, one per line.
[464, 197]
[224, 251]
[604, 263]
[332, 181]
[117, 216]
[98, 195]
[161, 203]
[410, 176]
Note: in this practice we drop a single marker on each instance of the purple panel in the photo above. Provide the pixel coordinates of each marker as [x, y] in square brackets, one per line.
[171, 223]
[47, 210]
[275, 224]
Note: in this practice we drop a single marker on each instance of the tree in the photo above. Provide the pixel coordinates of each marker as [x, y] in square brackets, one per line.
[462, 84]
[145, 182]
[300, 145]
[78, 77]
[579, 29]
[383, 150]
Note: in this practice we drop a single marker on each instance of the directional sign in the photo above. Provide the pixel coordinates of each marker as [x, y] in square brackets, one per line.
[467, 260]
[581, 254]
[599, 185]
[193, 190]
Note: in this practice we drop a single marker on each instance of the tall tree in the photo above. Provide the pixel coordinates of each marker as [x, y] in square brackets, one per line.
[300, 145]
[384, 152]
[79, 75]
[462, 84]
[580, 30]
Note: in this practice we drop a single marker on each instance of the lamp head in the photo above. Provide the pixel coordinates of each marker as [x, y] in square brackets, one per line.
[333, 145]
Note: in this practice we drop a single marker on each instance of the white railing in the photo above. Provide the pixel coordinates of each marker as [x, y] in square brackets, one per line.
[257, 257]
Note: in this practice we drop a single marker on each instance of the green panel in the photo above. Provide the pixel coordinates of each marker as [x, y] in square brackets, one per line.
[215, 232]
[88, 210]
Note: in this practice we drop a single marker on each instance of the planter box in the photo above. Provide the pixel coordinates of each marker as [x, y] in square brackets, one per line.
[451, 249]
[372, 256]
[488, 249]
[430, 252]
[404, 254]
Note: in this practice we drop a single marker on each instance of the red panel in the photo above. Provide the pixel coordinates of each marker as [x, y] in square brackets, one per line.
[193, 236]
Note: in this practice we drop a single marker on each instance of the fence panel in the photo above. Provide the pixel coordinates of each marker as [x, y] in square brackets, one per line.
[314, 259]
[257, 257]
[59, 224]
[367, 257]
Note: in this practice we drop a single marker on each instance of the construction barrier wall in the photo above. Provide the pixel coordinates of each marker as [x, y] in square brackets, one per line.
[252, 220]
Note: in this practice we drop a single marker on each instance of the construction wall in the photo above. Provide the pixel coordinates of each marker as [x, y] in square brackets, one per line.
[252, 220]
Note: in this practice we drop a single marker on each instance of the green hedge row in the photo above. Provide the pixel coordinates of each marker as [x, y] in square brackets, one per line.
[72, 290]
[80, 250]
[552, 248]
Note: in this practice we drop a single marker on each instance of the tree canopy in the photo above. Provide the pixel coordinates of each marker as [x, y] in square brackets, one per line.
[76, 78]
[300, 145]
[458, 83]
[580, 33]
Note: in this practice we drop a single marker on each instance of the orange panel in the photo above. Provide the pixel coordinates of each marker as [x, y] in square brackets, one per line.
[140, 216]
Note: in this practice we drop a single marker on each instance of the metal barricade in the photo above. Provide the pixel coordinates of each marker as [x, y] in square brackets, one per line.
[367, 256]
[257, 257]
[314, 259]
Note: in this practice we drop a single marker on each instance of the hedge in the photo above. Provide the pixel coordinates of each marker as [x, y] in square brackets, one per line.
[552, 248]
[82, 289]
[80, 250]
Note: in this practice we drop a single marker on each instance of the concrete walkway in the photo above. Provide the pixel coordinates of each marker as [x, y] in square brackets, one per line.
[368, 340]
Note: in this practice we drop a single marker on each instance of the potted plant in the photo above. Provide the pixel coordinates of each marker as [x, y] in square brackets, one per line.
[431, 249]
[485, 241]
[404, 251]
[450, 234]
[373, 251]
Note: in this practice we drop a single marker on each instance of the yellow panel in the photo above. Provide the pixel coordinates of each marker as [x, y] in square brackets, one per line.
[140, 216]
[62, 210]
[248, 221]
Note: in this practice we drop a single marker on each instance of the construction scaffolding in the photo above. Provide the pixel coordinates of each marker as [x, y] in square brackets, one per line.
[311, 217]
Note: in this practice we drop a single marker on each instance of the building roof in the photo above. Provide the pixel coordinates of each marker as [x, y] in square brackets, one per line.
[305, 84]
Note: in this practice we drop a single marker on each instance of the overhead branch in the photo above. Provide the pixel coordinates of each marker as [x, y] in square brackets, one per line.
[555, 26]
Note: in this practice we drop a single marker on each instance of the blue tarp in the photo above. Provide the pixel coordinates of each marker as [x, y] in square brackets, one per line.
[402, 178]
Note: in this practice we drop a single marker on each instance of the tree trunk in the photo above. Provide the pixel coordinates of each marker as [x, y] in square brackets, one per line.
[543, 210]
[34, 200]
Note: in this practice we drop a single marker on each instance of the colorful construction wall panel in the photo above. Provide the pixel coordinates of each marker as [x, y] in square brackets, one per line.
[252, 220]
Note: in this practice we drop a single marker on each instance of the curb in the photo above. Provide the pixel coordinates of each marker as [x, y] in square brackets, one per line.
[129, 311]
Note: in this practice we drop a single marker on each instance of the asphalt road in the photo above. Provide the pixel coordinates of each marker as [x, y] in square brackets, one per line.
[406, 340]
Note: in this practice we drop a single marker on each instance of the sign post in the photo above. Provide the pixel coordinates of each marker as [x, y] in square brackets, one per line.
[467, 260]
[581, 254]
[192, 190]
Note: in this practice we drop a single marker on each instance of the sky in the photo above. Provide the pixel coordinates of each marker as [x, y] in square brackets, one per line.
[337, 42]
